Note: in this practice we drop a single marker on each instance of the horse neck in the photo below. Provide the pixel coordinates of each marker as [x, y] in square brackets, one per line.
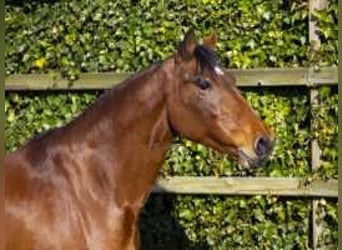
[131, 137]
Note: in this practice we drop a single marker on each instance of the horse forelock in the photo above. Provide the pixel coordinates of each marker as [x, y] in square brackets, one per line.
[206, 59]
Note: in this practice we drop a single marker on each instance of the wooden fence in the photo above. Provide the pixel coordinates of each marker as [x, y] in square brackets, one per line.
[245, 78]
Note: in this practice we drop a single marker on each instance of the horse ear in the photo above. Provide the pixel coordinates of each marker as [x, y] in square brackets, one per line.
[210, 41]
[186, 49]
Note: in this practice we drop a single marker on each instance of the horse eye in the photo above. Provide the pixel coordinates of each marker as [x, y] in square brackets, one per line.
[202, 83]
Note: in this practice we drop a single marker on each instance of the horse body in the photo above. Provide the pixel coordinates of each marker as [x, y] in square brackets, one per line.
[66, 179]
[82, 186]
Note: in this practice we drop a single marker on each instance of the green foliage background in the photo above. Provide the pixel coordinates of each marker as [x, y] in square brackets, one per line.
[126, 36]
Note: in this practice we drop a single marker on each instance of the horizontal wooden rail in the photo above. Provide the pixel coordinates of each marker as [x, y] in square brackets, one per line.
[247, 186]
[246, 78]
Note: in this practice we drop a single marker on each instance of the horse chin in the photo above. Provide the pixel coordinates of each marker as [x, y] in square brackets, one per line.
[235, 153]
[240, 157]
[246, 161]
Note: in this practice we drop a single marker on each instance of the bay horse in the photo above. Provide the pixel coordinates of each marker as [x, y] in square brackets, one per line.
[83, 185]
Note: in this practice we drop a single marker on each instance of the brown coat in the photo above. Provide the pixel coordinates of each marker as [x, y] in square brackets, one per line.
[82, 186]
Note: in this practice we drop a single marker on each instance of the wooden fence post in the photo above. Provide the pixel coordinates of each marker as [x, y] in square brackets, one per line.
[316, 229]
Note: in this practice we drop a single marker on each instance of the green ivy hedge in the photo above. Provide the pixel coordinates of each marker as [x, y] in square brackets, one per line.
[74, 36]
[215, 222]
[327, 21]
[81, 36]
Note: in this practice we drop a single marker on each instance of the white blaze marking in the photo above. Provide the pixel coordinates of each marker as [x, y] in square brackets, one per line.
[218, 71]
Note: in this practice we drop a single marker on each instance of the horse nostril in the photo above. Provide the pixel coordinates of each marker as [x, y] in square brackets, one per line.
[262, 146]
